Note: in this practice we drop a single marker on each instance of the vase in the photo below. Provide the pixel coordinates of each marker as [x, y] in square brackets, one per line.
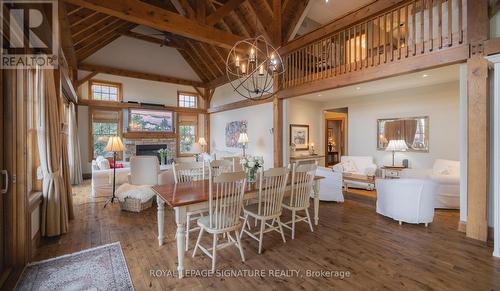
[163, 160]
[251, 175]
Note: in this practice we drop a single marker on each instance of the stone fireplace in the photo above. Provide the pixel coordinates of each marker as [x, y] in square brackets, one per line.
[137, 147]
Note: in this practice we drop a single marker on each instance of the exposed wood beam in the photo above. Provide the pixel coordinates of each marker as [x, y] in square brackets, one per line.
[87, 78]
[492, 46]
[262, 24]
[202, 60]
[91, 50]
[96, 29]
[276, 23]
[149, 15]
[237, 105]
[223, 11]
[66, 38]
[358, 15]
[89, 23]
[122, 105]
[297, 20]
[139, 75]
[277, 130]
[99, 34]
[201, 10]
[179, 8]
[84, 19]
[192, 63]
[151, 39]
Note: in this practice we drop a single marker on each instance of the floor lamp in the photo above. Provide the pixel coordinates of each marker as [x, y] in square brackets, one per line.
[114, 145]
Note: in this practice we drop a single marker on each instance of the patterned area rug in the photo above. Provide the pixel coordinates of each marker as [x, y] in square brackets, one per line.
[100, 268]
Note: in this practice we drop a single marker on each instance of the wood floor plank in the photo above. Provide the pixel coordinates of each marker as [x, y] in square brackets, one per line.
[378, 253]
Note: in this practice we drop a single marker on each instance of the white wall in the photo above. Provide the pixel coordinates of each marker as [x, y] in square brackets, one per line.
[260, 122]
[307, 113]
[133, 90]
[439, 102]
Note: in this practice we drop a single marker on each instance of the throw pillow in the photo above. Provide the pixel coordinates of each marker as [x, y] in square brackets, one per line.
[103, 164]
[351, 167]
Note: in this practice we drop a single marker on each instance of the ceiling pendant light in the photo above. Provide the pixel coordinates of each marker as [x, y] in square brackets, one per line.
[252, 66]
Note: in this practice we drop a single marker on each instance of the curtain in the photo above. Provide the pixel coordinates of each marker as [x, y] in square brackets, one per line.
[56, 207]
[392, 130]
[410, 129]
[75, 163]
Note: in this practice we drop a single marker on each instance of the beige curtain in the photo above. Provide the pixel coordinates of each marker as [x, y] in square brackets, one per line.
[75, 163]
[56, 207]
[392, 130]
[410, 131]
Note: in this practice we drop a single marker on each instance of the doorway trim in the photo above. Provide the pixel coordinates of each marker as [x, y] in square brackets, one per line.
[343, 136]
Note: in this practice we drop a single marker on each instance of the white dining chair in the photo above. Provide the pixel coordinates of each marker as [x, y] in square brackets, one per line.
[225, 202]
[301, 187]
[184, 173]
[236, 162]
[272, 183]
[218, 167]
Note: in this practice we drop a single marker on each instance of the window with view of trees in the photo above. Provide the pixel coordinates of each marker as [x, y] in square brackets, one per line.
[188, 131]
[188, 100]
[105, 91]
[105, 123]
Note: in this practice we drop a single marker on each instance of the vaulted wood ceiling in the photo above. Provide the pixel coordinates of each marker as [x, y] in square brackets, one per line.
[202, 30]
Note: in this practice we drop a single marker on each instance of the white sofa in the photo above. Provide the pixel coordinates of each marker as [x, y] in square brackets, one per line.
[330, 188]
[446, 174]
[406, 200]
[360, 165]
[102, 179]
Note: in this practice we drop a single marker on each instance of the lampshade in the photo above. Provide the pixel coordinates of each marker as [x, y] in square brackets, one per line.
[396, 145]
[202, 141]
[196, 148]
[243, 139]
[115, 144]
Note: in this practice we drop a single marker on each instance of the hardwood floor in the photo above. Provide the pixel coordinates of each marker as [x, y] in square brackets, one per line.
[378, 253]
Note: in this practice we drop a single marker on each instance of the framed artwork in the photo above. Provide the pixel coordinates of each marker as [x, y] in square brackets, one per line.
[299, 135]
[233, 130]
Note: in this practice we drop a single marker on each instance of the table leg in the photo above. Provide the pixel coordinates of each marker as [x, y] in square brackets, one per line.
[316, 202]
[180, 219]
[161, 219]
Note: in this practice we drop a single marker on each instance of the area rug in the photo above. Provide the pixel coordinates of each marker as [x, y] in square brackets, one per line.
[100, 268]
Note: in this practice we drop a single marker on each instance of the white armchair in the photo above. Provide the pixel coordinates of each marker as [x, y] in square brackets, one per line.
[360, 165]
[406, 200]
[331, 187]
[446, 174]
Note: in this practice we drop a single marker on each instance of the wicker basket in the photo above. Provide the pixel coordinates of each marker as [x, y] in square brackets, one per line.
[135, 205]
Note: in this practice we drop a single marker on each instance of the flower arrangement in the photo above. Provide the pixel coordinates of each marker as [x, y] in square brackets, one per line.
[251, 165]
[163, 155]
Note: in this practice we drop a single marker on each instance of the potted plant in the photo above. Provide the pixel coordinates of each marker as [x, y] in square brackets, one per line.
[251, 165]
[163, 155]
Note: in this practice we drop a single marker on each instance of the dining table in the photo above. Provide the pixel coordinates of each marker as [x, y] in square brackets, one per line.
[193, 196]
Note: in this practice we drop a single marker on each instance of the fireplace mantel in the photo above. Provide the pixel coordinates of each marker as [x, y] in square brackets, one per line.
[148, 135]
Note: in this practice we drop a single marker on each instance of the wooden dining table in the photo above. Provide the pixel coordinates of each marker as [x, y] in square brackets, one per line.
[193, 196]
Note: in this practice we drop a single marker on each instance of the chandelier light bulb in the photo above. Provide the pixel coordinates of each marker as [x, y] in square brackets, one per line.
[261, 70]
[243, 69]
[237, 62]
[252, 55]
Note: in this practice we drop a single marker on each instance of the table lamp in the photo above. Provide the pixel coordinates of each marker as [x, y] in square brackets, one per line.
[396, 145]
[202, 143]
[243, 139]
[114, 145]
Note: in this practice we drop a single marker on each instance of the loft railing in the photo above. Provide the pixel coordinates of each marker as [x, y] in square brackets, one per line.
[408, 30]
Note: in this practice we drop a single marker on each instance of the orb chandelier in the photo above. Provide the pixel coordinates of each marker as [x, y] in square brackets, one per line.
[251, 67]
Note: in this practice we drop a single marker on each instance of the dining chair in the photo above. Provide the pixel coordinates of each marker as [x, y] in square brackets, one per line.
[236, 162]
[272, 183]
[184, 173]
[225, 202]
[301, 188]
[218, 167]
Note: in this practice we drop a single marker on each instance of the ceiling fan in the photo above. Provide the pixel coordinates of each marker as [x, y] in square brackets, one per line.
[166, 39]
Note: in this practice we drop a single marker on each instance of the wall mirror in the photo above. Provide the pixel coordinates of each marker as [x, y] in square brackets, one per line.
[413, 130]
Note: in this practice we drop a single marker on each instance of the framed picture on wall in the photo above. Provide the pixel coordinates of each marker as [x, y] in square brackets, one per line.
[299, 135]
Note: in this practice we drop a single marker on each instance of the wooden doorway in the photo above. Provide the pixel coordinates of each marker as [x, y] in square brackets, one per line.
[3, 264]
[335, 135]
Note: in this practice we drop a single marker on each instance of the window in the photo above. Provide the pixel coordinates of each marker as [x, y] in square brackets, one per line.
[188, 132]
[188, 100]
[105, 91]
[105, 123]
